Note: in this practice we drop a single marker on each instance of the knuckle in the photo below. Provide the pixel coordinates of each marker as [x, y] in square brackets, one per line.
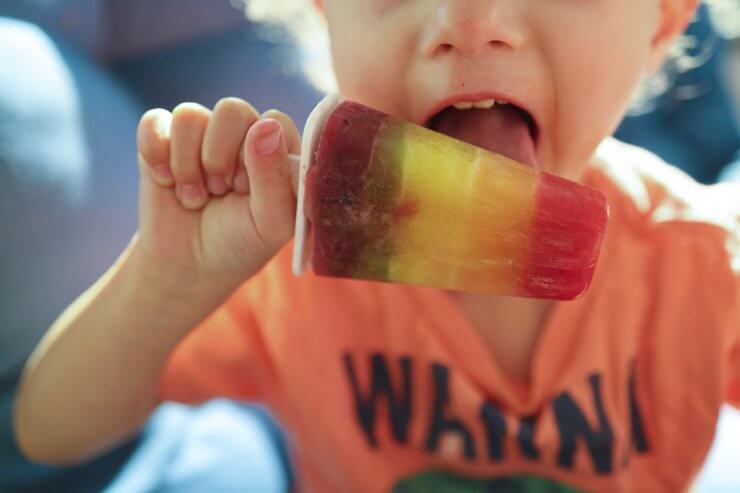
[188, 107]
[275, 113]
[154, 122]
[272, 113]
[150, 115]
[152, 137]
[183, 178]
[185, 170]
[285, 120]
[235, 108]
[209, 160]
[279, 116]
[213, 160]
[148, 152]
[186, 115]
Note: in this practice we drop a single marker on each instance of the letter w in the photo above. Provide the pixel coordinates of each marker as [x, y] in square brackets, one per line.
[381, 386]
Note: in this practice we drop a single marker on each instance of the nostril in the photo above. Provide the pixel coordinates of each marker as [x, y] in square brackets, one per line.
[445, 48]
[496, 44]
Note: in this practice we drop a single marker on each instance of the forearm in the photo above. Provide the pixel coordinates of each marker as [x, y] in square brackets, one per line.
[93, 379]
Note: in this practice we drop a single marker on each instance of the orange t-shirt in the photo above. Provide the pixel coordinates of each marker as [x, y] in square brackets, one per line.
[388, 388]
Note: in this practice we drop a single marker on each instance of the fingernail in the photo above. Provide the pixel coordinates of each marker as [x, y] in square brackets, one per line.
[217, 185]
[192, 196]
[163, 173]
[269, 142]
[241, 182]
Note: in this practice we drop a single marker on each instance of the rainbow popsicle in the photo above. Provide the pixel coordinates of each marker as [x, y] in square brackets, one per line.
[390, 201]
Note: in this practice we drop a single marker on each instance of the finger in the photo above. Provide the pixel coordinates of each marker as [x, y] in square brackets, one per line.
[272, 200]
[241, 180]
[153, 141]
[189, 122]
[292, 135]
[223, 140]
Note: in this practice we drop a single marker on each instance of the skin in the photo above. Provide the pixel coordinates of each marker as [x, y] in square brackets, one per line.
[217, 201]
[518, 50]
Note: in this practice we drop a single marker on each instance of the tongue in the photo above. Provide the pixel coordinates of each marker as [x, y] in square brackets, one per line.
[502, 130]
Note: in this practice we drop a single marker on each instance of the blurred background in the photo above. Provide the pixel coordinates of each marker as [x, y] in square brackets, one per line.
[75, 76]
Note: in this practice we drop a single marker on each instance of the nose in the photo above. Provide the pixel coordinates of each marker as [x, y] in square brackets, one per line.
[468, 27]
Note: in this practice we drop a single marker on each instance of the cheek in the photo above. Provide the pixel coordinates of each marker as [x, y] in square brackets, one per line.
[371, 58]
[595, 74]
[361, 74]
[602, 80]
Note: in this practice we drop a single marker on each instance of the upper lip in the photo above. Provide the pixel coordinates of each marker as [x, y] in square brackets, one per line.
[480, 96]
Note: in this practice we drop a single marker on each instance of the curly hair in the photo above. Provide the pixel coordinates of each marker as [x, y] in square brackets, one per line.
[302, 22]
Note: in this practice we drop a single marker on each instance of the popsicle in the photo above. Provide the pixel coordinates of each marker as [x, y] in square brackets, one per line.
[387, 200]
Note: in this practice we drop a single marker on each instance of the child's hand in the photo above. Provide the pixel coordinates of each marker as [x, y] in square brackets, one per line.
[216, 200]
[210, 217]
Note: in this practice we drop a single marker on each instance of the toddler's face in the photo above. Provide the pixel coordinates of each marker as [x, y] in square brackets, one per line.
[573, 65]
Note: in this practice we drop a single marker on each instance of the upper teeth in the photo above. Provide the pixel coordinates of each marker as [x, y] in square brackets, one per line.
[484, 104]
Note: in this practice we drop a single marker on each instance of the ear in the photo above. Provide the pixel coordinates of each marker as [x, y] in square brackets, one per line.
[675, 16]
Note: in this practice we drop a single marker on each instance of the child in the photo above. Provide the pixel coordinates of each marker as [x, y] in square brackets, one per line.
[388, 388]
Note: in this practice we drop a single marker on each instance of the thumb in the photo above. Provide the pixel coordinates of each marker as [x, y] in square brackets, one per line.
[272, 200]
[292, 140]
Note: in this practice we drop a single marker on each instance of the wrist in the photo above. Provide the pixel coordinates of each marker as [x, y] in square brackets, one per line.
[176, 293]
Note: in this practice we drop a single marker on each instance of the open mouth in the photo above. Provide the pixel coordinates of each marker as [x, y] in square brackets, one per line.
[497, 126]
